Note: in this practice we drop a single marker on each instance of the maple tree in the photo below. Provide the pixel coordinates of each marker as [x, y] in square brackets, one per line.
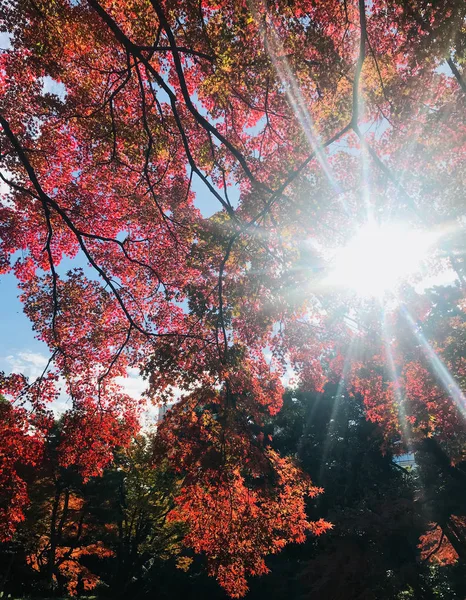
[113, 532]
[117, 119]
[77, 535]
[23, 431]
[422, 409]
[69, 524]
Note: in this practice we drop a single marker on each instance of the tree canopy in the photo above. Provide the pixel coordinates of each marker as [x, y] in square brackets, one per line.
[178, 177]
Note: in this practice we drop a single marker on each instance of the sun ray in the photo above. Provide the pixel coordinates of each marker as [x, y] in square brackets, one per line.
[440, 370]
[388, 336]
[296, 99]
[338, 396]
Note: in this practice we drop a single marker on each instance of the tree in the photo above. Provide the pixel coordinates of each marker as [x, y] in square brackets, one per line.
[423, 412]
[116, 118]
[141, 498]
[372, 551]
[59, 531]
[108, 531]
[23, 429]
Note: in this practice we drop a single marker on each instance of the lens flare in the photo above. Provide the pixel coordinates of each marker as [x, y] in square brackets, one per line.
[439, 368]
[379, 257]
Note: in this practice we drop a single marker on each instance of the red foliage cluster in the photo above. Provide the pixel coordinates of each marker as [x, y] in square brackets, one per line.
[118, 119]
[240, 500]
[23, 426]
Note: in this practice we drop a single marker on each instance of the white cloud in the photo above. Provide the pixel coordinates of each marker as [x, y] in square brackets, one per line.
[5, 188]
[30, 364]
[133, 385]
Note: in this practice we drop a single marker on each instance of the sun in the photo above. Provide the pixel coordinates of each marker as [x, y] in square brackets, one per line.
[380, 257]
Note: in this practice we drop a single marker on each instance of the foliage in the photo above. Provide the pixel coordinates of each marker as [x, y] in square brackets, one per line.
[117, 533]
[293, 123]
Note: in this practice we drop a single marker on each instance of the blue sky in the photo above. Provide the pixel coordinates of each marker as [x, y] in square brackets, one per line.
[15, 327]
[19, 349]
[21, 352]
